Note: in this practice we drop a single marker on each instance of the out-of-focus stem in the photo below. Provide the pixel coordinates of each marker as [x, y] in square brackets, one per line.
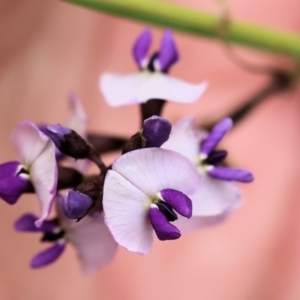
[199, 23]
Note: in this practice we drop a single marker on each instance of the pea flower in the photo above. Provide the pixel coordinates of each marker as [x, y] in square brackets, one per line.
[141, 192]
[151, 82]
[37, 170]
[91, 238]
[218, 196]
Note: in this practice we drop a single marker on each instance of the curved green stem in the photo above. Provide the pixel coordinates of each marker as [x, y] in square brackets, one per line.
[199, 23]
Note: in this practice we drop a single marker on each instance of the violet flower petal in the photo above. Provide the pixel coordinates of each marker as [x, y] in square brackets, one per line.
[125, 208]
[75, 204]
[179, 201]
[11, 188]
[168, 54]
[9, 169]
[215, 136]
[141, 48]
[231, 174]
[143, 86]
[154, 169]
[47, 256]
[156, 131]
[26, 223]
[163, 229]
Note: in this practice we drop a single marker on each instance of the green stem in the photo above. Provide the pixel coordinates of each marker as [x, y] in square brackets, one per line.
[196, 22]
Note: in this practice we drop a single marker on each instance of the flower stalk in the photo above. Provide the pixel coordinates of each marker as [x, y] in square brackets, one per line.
[199, 23]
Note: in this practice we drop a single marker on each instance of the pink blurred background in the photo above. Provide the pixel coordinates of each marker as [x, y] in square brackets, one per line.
[49, 49]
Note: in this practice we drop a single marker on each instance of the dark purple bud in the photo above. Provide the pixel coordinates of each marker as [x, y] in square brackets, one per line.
[134, 143]
[141, 48]
[168, 54]
[11, 188]
[68, 141]
[230, 174]
[156, 131]
[47, 256]
[75, 204]
[179, 201]
[215, 157]
[163, 229]
[26, 223]
[215, 136]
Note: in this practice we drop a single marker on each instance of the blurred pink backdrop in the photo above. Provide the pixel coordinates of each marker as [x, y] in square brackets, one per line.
[50, 48]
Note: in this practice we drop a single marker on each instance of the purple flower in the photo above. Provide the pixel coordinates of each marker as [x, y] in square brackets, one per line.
[152, 82]
[217, 196]
[142, 191]
[37, 170]
[91, 238]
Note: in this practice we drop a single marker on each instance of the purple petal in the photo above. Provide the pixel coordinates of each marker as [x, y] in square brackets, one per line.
[26, 223]
[140, 87]
[215, 136]
[168, 54]
[231, 174]
[141, 48]
[163, 229]
[47, 256]
[75, 204]
[126, 213]
[93, 242]
[11, 188]
[9, 169]
[154, 169]
[57, 133]
[156, 131]
[179, 201]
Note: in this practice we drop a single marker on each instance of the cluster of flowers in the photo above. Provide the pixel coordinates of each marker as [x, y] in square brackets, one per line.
[167, 179]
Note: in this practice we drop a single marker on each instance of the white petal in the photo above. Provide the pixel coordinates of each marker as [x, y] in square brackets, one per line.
[215, 197]
[122, 90]
[43, 175]
[185, 139]
[38, 153]
[152, 170]
[28, 141]
[78, 119]
[161, 86]
[93, 242]
[140, 87]
[126, 213]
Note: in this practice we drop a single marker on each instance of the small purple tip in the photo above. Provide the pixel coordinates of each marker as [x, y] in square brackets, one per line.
[215, 136]
[141, 48]
[168, 54]
[156, 131]
[231, 174]
[75, 204]
[179, 201]
[57, 133]
[163, 229]
[26, 223]
[47, 256]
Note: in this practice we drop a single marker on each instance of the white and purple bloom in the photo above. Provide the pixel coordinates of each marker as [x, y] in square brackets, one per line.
[218, 195]
[151, 82]
[91, 238]
[37, 170]
[141, 193]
